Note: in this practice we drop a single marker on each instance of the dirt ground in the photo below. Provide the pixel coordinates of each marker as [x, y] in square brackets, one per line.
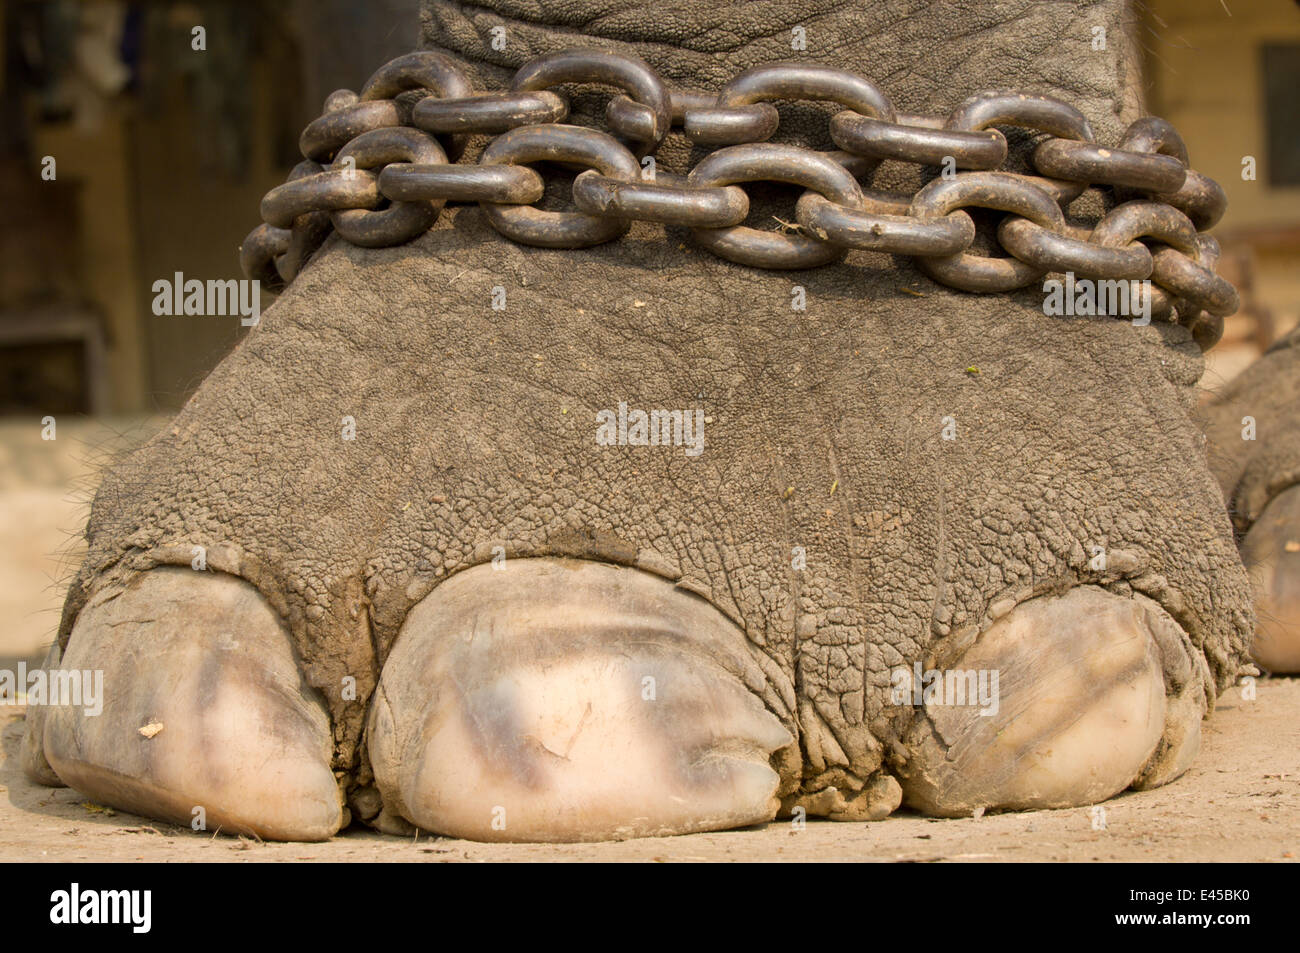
[1239, 802]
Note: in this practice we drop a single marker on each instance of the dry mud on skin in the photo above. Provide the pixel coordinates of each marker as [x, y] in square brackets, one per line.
[1239, 802]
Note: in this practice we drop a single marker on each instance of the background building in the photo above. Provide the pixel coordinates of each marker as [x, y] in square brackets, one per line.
[1226, 73]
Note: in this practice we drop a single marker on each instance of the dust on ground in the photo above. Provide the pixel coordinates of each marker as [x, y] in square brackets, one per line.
[1239, 802]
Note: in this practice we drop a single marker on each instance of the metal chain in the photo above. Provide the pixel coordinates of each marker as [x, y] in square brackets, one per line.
[380, 168]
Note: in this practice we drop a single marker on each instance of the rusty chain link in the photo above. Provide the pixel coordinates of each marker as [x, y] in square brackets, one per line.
[381, 165]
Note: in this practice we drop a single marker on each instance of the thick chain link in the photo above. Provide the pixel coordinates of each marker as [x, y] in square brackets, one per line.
[380, 167]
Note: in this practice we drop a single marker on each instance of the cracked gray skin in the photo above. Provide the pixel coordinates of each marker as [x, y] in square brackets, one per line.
[475, 429]
[1253, 472]
[1260, 478]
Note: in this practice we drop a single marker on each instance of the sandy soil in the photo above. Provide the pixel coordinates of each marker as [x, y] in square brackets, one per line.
[1239, 802]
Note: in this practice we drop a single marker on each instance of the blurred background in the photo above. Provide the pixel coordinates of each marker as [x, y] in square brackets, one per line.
[162, 154]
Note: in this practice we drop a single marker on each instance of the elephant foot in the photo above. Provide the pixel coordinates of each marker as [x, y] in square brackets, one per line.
[1069, 700]
[567, 700]
[571, 700]
[1271, 552]
[205, 719]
